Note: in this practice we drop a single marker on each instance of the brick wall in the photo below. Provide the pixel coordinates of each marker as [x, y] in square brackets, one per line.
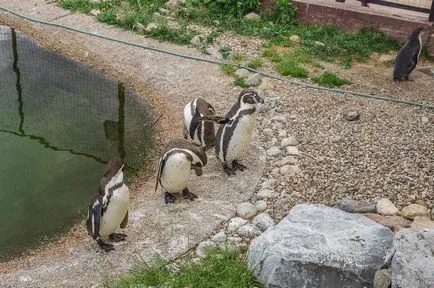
[352, 20]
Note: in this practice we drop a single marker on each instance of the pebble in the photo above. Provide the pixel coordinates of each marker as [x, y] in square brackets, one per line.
[290, 141]
[282, 133]
[386, 207]
[219, 237]
[261, 205]
[291, 160]
[382, 278]
[267, 132]
[279, 118]
[236, 223]
[246, 210]
[318, 43]
[248, 231]
[242, 72]
[95, 12]
[196, 41]
[273, 151]
[156, 16]
[252, 16]
[268, 184]
[290, 170]
[354, 206]
[253, 80]
[265, 193]
[351, 115]
[172, 4]
[422, 223]
[413, 210]
[164, 11]
[139, 27]
[214, 52]
[292, 150]
[294, 38]
[393, 222]
[203, 246]
[425, 120]
[151, 26]
[263, 221]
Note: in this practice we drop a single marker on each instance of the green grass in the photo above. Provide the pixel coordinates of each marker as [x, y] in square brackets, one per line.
[330, 79]
[255, 63]
[228, 69]
[240, 81]
[221, 268]
[290, 67]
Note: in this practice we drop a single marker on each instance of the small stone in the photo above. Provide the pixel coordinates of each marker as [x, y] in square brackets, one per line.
[282, 133]
[219, 237]
[425, 120]
[214, 52]
[393, 222]
[246, 210]
[290, 141]
[421, 202]
[242, 72]
[252, 16]
[382, 278]
[267, 132]
[292, 150]
[268, 184]
[318, 43]
[156, 16]
[203, 246]
[216, 22]
[139, 27]
[386, 207]
[248, 231]
[95, 12]
[253, 80]
[261, 205]
[236, 223]
[172, 4]
[273, 151]
[294, 39]
[290, 170]
[413, 210]
[151, 26]
[279, 118]
[265, 193]
[196, 41]
[422, 223]
[288, 160]
[351, 115]
[354, 206]
[263, 221]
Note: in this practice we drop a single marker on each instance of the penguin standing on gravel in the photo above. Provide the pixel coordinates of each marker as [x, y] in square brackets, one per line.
[408, 56]
[233, 138]
[109, 209]
[199, 116]
[176, 161]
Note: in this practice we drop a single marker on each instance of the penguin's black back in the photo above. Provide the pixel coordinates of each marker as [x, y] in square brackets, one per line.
[408, 56]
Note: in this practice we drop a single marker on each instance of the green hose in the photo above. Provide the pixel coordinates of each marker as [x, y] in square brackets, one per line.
[305, 85]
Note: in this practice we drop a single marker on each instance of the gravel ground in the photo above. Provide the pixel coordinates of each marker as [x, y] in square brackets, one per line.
[388, 152]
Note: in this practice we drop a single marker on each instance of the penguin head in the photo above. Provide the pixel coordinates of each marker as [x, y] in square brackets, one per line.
[249, 98]
[199, 156]
[417, 33]
[114, 173]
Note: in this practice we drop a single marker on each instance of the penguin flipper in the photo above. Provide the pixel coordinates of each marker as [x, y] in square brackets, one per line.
[160, 169]
[125, 221]
[217, 119]
[95, 212]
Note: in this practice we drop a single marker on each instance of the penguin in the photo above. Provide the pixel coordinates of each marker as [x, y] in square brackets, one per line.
[174, 168]
[199, 116]
[233, 138]
[408, 56]
[109, 208]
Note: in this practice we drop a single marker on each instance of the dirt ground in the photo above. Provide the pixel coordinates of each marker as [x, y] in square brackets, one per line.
[368, 159]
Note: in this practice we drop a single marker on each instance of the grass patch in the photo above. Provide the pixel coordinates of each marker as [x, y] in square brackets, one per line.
[290, 67]
[255, 63]
[330, 79]
[221, 268]
[228, 69]
[240, 81]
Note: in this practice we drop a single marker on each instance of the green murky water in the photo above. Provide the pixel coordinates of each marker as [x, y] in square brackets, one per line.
[60, 122]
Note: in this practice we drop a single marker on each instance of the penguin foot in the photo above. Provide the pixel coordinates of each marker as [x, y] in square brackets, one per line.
[169, 198]
[238, 166]
[188, 195]
[117, 237]
[228, 170]
[105, 246]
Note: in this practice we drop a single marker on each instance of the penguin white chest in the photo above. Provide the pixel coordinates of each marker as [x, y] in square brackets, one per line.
[241, 137]
[116, 209]
[176, 173]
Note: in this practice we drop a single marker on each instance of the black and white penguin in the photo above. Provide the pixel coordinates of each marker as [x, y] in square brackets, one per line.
[109, 208]
[233, 138]
[176, 161]
[199, 118]
[408, 56]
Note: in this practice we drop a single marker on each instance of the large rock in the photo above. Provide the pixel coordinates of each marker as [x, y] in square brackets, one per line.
[413, 263]
[319, 246]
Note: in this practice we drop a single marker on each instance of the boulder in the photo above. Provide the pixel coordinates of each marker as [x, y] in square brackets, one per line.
[320, 246]
[413, 262]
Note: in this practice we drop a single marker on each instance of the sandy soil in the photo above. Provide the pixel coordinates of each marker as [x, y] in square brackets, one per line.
[368, 159]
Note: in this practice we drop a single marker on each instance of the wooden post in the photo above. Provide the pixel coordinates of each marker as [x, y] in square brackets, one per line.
[431, 12]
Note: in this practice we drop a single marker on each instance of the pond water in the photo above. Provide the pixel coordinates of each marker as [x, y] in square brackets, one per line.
[60, 122]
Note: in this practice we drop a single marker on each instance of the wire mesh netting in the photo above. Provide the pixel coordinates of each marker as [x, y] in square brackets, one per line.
[414, 3]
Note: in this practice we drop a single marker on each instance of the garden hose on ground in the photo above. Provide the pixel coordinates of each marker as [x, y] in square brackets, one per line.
[305, 85]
